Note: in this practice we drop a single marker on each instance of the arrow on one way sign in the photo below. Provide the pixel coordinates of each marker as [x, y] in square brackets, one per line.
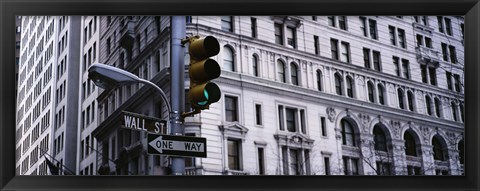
[177, 145]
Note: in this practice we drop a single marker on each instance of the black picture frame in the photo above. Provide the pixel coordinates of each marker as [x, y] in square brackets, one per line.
[8, 10]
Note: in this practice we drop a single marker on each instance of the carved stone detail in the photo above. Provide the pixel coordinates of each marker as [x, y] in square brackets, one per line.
[331, 114]
[426, 133]
[396, 128]
[365, 119]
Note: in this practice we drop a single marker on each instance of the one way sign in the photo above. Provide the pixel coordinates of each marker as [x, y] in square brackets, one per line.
[177, 145]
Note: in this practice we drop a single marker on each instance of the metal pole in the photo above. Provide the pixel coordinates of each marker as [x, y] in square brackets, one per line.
[177, 87]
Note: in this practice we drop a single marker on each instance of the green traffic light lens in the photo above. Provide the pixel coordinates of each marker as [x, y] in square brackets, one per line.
[205, 93]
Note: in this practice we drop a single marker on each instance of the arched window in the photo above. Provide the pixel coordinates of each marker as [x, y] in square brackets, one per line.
[281, 71]
[461, 152]
[349, 87]
[438, 106]
[462, 110]
[294, 73]
[379, 138]
[370, 92]
[428, 103]
[348, 135]
[228, 63]
[410, 100]
[437, 149]
[400, 98]
[381, 97]
[410, 144]
[338, 84]
[255, 65]
[319, 80]
[454, 111]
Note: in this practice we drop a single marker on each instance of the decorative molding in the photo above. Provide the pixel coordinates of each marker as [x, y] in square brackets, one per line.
[365, 120]
[396, 128]
[426, 131]
[331, 114]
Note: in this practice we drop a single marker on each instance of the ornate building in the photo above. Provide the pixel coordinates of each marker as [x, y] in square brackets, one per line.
[300, 95]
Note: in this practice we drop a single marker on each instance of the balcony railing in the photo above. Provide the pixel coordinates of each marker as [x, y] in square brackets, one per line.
[236, 172]
[127, 33]
[192, 171]
[427, 55]
[423, 28]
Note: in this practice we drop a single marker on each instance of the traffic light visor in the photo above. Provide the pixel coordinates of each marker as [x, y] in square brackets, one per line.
[204, 48]
[205, 70]
[205, 94]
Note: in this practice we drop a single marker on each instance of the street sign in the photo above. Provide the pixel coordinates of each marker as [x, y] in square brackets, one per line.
[139, 122]
[177, 145]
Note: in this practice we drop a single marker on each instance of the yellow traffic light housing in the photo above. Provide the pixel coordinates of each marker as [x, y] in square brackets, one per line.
[203, 69]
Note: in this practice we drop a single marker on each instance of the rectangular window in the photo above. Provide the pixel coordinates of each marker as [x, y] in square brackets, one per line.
[231, 109]
[258, 114]
[291, 119]
[254, 27]
[397, 65]
[291, 37]
[428, 42]
[342, 22]
[448, 26]
[366, 57]
[405, 69]
[323, 126]
[326, 162]
[383, 168]
[261, 161]
[331, 21]
[453, 54]
[393, 36]
[424, 73]
[350, 166]
[419, 40]
[440, 23]
[281, 118]
[316, 44]
[227, 23]
[108, 46]
[363, 27]
[444, 52]
[376, 61]
[345, 52]
[433, 76]
[401, 38]
[233, 155]
[334, 48]
[372, 26]
[462, 28]
[302, 121]
[278, 34]
[449, 80]
[457, 82]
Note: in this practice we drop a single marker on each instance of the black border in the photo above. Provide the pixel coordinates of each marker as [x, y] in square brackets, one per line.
[10, 8]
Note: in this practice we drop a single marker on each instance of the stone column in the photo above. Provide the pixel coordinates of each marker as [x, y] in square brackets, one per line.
[454, 162]
[428, 164]
[367, 159]
[399, 158]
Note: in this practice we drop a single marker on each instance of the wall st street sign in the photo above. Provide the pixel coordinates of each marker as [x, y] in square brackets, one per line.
[177, 145]
[139, 122]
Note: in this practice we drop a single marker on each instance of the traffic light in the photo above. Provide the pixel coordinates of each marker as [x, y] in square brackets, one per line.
[203, 69]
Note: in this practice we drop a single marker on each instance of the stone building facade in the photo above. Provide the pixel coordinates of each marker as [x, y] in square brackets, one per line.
[301, 95]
